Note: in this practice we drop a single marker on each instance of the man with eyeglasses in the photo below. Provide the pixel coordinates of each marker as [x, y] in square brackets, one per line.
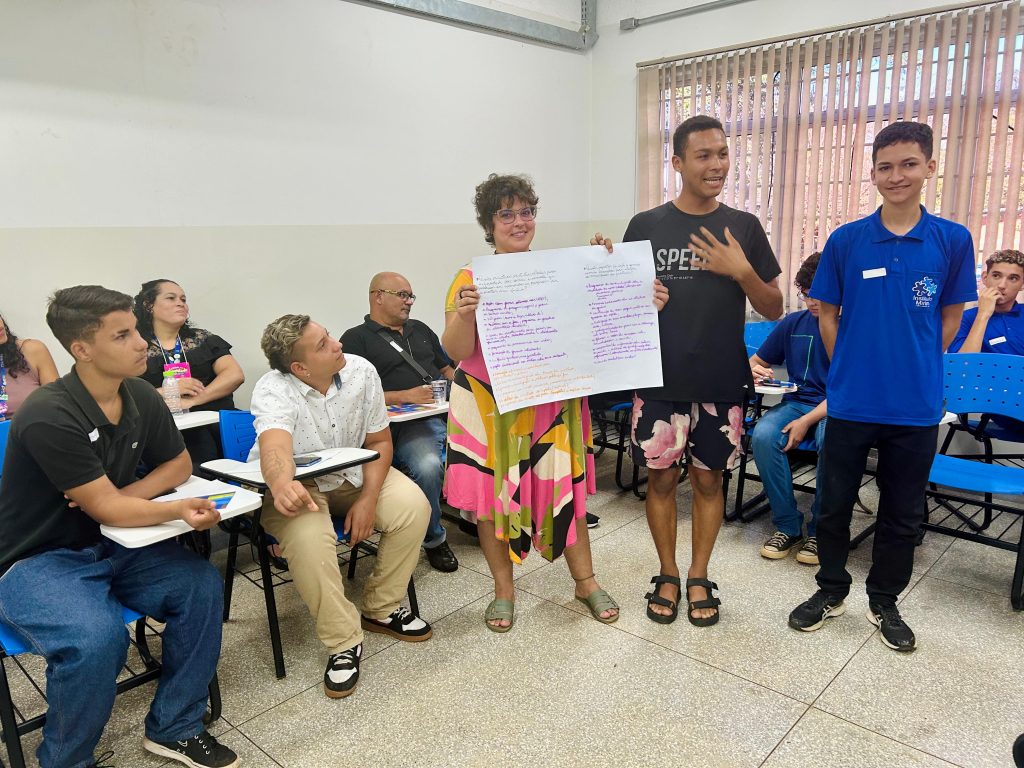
[799, 419]
[408, 356]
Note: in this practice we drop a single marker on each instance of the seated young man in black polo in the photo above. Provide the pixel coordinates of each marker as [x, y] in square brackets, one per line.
[387, 338]
[70, 466]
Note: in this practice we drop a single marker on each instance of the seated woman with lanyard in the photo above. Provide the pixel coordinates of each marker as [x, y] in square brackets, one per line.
[25, 365]
[201, 361]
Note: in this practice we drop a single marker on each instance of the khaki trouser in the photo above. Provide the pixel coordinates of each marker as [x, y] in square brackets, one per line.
[308, 541]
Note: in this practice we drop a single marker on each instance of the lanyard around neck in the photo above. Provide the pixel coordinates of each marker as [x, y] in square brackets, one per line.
[177, 351]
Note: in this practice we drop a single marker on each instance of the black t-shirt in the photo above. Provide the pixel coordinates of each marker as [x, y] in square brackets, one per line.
[200, 350]
[702, 353]
[395, 373]
[60, 440]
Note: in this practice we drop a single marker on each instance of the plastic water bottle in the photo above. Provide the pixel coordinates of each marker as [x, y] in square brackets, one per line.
[172, 396]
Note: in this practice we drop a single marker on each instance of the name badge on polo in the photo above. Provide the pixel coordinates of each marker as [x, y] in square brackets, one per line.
[869, 273]
[997, 340]
[94, 436]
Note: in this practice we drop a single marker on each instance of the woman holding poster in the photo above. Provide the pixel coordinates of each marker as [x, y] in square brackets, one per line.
[524, 475]
[201, 361]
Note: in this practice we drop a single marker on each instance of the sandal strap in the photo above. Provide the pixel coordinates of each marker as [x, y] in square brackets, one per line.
[599, 600]
[653, 597]
[500, 609]
[661, 578]
[712, 602]
[701, 583]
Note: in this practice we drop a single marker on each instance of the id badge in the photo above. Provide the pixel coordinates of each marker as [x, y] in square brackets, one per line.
[177, 371]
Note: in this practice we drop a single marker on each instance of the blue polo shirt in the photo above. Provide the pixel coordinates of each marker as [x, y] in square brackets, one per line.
[1004, 333]
[887, 363]
[796, 343]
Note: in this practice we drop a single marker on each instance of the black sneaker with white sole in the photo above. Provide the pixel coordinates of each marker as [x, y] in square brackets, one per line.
[811, 615]
[894, 631]
[779, 545]
[593, 520]
[342, 673]
[402, 624]
[202, 751]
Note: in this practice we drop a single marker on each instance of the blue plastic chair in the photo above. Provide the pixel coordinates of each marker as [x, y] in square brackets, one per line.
[238, 435]
[5, 431]
[754, 334]
[992, 384]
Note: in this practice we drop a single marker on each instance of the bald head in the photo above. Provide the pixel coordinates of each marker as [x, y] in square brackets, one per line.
[386, 306]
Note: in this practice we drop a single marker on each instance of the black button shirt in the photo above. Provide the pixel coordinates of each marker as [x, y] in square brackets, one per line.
[60, 440]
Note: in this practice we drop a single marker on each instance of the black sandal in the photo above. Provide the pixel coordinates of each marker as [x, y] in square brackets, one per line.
[654, 598]
[710, 602]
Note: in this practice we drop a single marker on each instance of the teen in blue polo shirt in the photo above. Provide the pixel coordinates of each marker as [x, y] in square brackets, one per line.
[796, 343]
[901, 277]
[996, 324]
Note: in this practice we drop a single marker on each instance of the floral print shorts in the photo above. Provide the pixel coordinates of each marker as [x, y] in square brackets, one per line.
[665, 431]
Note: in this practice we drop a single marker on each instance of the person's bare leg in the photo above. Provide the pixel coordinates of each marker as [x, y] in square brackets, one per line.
[496, 553]
[581, 565]
[708, 510]
[661, 519]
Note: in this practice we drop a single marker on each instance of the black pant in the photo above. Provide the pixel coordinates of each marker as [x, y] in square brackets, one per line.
[905, 457]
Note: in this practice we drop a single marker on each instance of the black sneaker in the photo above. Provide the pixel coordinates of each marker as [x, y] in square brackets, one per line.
[441, 558]
[1018, 751]
[894, 631]
[402, 623]
[779, 545]
[808, 553]
[811, 615]
[593, 520]
[202, 751]
[342, 673]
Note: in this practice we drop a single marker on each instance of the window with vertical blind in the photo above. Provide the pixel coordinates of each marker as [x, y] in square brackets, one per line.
[801, 114]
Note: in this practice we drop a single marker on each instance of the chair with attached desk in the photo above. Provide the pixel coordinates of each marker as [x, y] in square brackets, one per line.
[610, 415]
[237, 438]
[14, 723]
[988, 384]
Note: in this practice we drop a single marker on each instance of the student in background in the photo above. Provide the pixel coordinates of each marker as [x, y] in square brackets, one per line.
[901, 277]
[996, 324]
[408, 356]
[796, 343]
[25, 365]
[207, 372]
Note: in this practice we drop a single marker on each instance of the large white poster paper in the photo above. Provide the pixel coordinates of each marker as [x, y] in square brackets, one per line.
[569, 322]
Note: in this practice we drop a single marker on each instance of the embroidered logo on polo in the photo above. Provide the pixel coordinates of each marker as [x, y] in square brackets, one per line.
[924, 292]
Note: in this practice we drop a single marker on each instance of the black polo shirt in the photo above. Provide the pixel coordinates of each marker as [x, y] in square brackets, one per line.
[395, 373]
[60, 440]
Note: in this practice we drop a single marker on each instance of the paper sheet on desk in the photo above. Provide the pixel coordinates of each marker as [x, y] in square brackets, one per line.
[569, 322]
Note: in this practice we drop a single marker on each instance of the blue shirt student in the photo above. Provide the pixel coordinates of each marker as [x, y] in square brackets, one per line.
[1004, 333]
[796, 343]
[887, 363]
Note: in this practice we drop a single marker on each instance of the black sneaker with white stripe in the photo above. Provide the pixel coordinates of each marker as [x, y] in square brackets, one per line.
[811, 614]
[401, 624]
[894, 631]
[342, 673]
[202, 751]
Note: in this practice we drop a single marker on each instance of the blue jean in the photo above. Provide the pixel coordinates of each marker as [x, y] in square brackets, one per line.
[418, 446]
[65, 605]
[766, 443]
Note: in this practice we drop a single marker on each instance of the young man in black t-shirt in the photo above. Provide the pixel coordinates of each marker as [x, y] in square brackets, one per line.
[70, 467]
[712, 259]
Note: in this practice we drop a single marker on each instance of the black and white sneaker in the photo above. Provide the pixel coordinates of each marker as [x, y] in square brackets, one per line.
[593, 520]
[779, 545]
[811, 615]
[342, 672]
[893, 630]
[202, 751]
[402, 623]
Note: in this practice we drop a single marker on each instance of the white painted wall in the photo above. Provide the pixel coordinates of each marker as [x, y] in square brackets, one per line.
[271, 156]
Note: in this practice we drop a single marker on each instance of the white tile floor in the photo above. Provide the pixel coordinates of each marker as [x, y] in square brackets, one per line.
[564, 690]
